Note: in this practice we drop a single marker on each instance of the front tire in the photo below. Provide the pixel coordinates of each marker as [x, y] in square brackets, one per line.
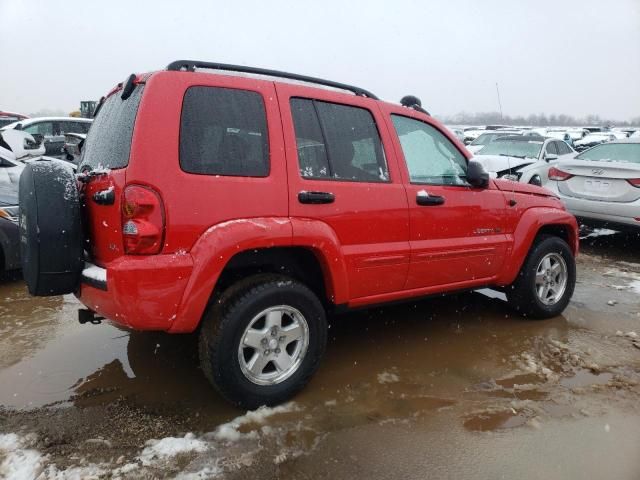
[546, 281]
[262, 340]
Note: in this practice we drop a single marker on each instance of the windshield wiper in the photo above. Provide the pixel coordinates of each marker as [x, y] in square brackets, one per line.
[515, 156]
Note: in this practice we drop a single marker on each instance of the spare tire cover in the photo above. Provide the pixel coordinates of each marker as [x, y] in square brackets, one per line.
[50, 228]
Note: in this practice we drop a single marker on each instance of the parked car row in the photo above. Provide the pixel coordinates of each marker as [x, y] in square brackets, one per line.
[523, 158]
[22, 141]
[53, 130]
[571, 135]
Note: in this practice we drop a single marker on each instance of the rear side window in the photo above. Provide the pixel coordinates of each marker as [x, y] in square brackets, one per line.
[224, 132]
[108, 143]
[337, 142]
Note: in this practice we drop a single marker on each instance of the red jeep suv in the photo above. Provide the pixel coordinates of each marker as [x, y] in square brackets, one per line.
[246, 204]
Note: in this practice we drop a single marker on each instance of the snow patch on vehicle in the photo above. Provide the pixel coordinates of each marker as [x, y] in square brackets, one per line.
[94, 272]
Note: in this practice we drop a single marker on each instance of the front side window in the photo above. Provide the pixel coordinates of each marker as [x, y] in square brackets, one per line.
[431, 158]
[42, 128]
[223, 131]
[337, 142]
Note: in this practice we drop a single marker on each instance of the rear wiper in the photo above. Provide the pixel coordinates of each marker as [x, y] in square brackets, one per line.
[515, 156]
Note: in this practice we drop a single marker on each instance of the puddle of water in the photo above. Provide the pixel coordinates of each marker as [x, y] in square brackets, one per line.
[586, 378]
[390, 363]
[523, 379]
[495, 421]
[559, 411]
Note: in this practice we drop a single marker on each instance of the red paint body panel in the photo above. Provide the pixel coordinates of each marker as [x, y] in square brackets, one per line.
[212, 252]
[143, 293]
[373, 243]
[370, 220]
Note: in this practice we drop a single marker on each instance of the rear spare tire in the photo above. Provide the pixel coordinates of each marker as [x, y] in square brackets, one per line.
[50, 228]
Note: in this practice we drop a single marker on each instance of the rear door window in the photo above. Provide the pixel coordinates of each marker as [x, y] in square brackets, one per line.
[108, 143]
[337, 142]
[223, 131]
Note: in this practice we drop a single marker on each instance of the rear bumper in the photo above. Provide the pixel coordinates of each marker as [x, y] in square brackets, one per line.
[601, 213]
[138, 292]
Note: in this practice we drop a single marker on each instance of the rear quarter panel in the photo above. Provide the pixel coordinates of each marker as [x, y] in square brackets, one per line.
[194, 202]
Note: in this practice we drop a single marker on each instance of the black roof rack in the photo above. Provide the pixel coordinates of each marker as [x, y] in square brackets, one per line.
[191, 65]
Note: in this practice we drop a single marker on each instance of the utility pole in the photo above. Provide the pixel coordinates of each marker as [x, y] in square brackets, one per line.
[499, 102]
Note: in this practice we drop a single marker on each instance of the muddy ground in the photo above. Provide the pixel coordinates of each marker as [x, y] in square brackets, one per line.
[449, 387]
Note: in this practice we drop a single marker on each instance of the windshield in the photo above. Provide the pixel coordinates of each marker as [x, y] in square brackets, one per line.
[513, 149]
[108, 142]
[613, 152]
[485, 138]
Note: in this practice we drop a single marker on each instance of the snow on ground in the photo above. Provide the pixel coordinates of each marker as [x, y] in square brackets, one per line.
[20, 461]
[388, 377]
[598, 232]
[231, 431]
[170, 447]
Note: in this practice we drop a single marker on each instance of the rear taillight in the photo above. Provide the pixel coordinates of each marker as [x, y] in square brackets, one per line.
[635, 182]
[142, 220]
[558, 175]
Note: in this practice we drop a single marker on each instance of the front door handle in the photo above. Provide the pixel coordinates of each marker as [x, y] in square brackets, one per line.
[424, 199]
[316, 198]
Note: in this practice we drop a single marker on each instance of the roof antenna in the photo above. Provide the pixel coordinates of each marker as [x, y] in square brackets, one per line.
[499, 102]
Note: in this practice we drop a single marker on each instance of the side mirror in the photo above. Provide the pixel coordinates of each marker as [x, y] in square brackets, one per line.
[550, 157]
[18, 127]
[477, 176]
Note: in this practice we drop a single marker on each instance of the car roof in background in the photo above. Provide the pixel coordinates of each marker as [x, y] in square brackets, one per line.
[624, 140]
[521, 138]
[29, 121]
[42, 119]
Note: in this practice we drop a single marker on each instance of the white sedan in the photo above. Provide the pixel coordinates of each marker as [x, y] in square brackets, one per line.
[523, 158]
[601, 186]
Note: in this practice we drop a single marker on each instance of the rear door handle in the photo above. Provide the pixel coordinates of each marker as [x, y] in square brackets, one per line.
[424, 199]
[316, 197]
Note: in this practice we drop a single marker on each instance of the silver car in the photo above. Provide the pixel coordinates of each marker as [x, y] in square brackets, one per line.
[601, 186]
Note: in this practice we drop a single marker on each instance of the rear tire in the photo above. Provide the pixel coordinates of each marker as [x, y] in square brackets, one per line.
[545, 283]
[279, 316]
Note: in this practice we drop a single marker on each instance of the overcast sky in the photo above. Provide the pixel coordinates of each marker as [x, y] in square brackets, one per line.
[548, 56]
